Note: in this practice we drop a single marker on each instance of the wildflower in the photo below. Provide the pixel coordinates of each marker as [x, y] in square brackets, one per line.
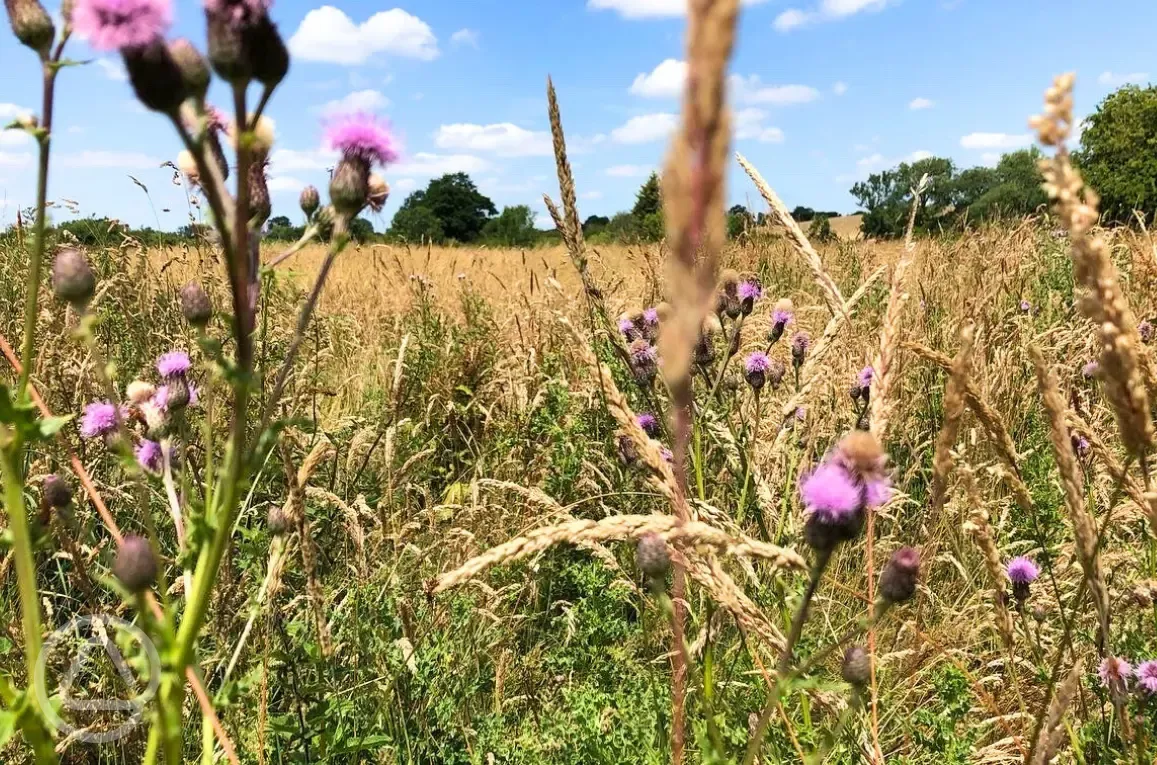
[362, 137]
[192, 66]
[704, 349]
[117, 24]
[626, 449]
[856, 669]
[898, 582]
[379, 192]
[800, 413]
[1090, 370]
[174, 364]
[157, 81]
[56, 493]
[1145, 330]
[755, 368]
[727, 294]
[800, 342]
[667, 455]
[651, 317]
[310, 200]
[155, 412]
[1025, 306]
[626, 328]
[195, 305]
[748, 292]
[238, 12]
[268, 58]
[652, 557]
[644, 359]
[31, 24]
[72, 278]
[860, 454]
[277, 520]
[135, 565]
[1147, 676]
[775, 372]
[1115, 673]
[1081, 446]
[648, 423]
[1022, 572]
[139, 391]
[148, 454]
[100, 419]
[781, 316]
[835, 505]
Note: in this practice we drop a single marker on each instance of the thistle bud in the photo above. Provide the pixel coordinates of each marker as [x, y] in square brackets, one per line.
[310, 200]
[31, 24]
[260, 206]
[857, 667]
[268, 58]
[775, 372]
[56, 493]
[652, 557]
[626, 450]
[192, 66]
[350, 187]
[178, 393]
[72, 278]
[139, 391]
[898, 582]
[227, 49]
[379, 192]
[195, 305]
[277, 521]
[135, 565]
[155, 77]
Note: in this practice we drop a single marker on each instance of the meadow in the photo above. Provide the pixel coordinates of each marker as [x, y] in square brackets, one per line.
[708, 499]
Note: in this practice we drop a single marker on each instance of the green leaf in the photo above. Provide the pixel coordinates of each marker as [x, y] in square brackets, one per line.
[7, 726]
[50, 426]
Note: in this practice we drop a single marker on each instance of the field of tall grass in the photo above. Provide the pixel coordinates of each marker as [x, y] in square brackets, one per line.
[758, 500]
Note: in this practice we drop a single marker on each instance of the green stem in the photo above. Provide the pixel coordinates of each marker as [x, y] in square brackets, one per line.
[22, 551]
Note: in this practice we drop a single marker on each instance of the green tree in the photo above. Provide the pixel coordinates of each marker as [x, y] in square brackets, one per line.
[458, 205]
[1017, 189]
[803, 214]
[886, 197]
[739, 220]
[649, 200]
[1118, 154]
[513, 228]
[416, 223]
[361, 230]
[594, 224]
[820, 229]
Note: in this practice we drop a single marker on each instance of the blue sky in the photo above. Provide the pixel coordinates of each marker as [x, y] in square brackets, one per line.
[824, 92]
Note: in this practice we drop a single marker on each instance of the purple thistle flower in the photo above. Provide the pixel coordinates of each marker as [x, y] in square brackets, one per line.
[174, 364]
[1022, 570]
[160, 398]
[750, 291]
[781, 317]
[363, 137]
[238, 12]
[1145, 330]
[1025, 306]
[864, 380]
[831, 493]
[651, 317]
[627, 327]
[149, 456]
[1089, 370]
[800, 342]
[643, 353]
[667, 455]
[1114, 673]
[1083, 447]
[1147, 676]
[648, 423]
[756, 362]
[100, 419]
[801, 413]
[115, 24]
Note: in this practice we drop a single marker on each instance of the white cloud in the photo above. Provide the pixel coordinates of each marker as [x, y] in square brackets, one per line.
[995, 141]
[114, 70]
[10, 112]
[358, 101]
[427, 165]
[285, 183]
[921, 103]
[327, 34]
[1116, 80]
[15, 159]
[918, 155]
[648, 9]
[591, 195]
[827, 10]
[504, 139]
[404, 184]
[629, 171]
[749, 126]
[14, 139]
[665, 81]
[119, 160]
[291, 159]
[840, 88]
[646, 128]
[750, 90]
[465, 37]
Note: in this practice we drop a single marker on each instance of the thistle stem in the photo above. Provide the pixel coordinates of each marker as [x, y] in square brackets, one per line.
[22, 550]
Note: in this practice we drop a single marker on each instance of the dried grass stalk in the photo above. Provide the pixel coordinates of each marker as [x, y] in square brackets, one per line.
[1084, 528]
[780, 212]
[1052, 735]
[1104, 301]
[977, 526]
[950, 430]
[686, 535]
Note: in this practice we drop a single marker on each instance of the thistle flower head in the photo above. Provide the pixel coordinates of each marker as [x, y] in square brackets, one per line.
[192, 65]
[1022, 570]
[643, 353]
[775, 372]
[148, 454]
[238, 12]
[195, 304]
[174, 364]
[1147, 676]
[783, 312]
[1081, 446]
[857, 668]
[831, 493]
[749, 290]
[31, 24]
[100, 419]
[363, 137]
[379, 192]
[1145, 330]
[651, 317]
[627, 327]
[1115, 673]
[648, 423]
[652, 557]
[116, 24]
[135, 565]
[864, 379]
[898, 582]
[800, 342]
[756, 361]
[310, 200]
[1090, 370]
[72, 278]
[56, 492]
[277, 520]
[667, 455]
[1025, 306]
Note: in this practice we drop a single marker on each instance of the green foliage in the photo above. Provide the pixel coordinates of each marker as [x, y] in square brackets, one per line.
[514, 227]
[416, 223]
[820, 229]
[649, 199]
[1118, 154]
[937, 724]
[361, 230]
[281, 229]
[454, 202]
